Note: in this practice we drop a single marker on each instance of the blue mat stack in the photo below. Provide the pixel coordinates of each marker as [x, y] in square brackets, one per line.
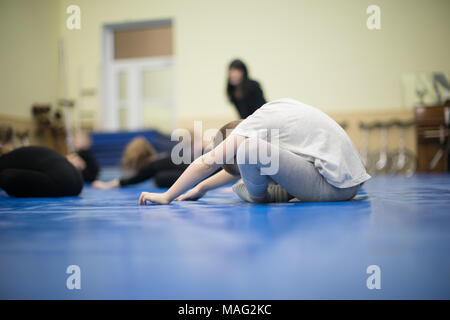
[107, 147]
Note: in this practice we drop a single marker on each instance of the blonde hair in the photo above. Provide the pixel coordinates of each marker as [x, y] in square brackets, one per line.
[137, 154]
[221, 135]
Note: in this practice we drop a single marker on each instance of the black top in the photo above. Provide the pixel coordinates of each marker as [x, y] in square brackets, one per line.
[151, 169]
[91, 170]
[252, 99]
[38, 172]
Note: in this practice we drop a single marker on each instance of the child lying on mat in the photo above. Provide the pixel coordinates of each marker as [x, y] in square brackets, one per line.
[285, 150]
[141, 162]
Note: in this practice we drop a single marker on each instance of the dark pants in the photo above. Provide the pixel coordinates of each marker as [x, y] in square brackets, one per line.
[38, 172]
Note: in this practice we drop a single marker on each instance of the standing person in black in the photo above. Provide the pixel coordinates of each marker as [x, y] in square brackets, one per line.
[38, 172]
[246, 94]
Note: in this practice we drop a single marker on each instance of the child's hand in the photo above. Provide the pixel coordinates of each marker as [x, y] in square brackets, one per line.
[193, 194]
[159, 198]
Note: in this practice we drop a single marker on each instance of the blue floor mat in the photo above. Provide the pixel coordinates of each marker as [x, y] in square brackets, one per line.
[222, 248]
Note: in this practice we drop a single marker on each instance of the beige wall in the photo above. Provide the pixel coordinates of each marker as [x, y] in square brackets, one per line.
[319, 52]
[28, 55]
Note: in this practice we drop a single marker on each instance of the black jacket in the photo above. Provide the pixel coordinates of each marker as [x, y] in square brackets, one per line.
[253, 98]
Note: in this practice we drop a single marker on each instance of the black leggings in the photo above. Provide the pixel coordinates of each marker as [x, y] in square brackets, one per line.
[166, 178]
[38, 172]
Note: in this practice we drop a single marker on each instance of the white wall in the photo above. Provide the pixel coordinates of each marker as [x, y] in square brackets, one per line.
[319, 52]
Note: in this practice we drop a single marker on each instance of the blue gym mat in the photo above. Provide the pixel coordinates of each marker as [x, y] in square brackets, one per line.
[222, 248]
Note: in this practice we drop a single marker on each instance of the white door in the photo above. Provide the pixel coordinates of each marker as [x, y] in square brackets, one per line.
[157, 105]
[138, 93]
[143, 95]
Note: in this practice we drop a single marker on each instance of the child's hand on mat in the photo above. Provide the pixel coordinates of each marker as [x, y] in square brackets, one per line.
[105, 185]
[158, 198]
[193, 194]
